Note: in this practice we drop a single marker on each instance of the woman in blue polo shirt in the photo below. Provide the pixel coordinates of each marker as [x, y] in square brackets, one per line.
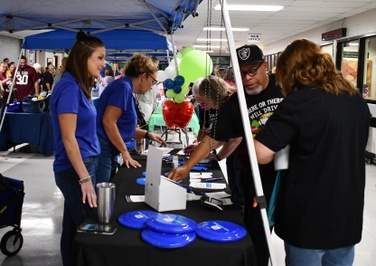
[75, 141]
[117, 117]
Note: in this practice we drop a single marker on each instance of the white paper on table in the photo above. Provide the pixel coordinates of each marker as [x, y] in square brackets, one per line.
[202, 175]
[194, 180]
[193, 196]
[207, 185]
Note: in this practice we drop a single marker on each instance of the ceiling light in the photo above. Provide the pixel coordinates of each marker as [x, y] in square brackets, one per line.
[205, 46]
[251, 7]
[208, 52]
[223, 29]
[353, 44]
[211, 40]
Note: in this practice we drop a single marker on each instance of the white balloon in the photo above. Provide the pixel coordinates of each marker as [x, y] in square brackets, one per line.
[172, 62]
[170, 72]
[161, 75]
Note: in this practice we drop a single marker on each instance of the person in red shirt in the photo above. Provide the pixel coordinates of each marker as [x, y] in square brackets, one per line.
[26, 80]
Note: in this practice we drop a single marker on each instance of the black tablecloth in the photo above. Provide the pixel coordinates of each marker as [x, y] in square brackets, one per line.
[126, 246]
[33, 128]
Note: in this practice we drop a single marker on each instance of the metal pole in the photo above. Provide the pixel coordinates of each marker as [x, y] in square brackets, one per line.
[174, 52]
[246, 125]
[10, 87]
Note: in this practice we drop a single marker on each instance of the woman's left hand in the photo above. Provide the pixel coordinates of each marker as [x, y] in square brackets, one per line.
[88, 192]
[157, 138]
[128, 161]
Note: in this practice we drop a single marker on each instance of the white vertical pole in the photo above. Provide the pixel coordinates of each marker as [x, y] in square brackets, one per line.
[10, 87]
[174, 52]
[246, 125]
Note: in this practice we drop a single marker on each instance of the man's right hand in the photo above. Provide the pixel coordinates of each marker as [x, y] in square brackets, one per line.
[178, 173]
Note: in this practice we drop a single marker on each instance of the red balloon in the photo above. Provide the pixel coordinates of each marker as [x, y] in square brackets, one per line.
[177, 114]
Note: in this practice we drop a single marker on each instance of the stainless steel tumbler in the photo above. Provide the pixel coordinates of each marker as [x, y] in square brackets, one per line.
[106, 201]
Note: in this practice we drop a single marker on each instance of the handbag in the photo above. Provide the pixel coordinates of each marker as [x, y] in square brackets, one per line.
[273, 199]
[34, 104]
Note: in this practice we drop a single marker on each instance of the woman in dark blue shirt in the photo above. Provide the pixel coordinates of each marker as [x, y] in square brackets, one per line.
[117, 117]
[75, 141]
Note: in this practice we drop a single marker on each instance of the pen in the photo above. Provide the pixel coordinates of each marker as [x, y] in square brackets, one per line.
[212, 179]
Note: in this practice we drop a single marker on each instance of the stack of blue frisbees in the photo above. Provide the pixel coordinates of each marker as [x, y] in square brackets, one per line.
[161, 230]
[220, 231]
[175, 231]
[169, 231]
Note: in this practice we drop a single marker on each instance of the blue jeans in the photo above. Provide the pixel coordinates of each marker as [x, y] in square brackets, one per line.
[315, 257]
[75, 212]
[107, 161]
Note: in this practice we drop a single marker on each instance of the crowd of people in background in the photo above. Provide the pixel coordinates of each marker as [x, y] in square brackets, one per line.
[47, 77]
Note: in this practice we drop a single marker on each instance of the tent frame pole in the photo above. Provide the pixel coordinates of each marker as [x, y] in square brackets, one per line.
[247, 128]
[10, 91]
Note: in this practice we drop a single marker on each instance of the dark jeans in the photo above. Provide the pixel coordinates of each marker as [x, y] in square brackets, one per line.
[311, 257]
[75, 212]
[107, 161]
[234, 175]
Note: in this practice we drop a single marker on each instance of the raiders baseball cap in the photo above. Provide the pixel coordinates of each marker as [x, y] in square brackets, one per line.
[248, 54]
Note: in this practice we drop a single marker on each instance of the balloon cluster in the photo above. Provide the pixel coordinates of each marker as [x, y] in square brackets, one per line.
[174, 88]
[190, 64]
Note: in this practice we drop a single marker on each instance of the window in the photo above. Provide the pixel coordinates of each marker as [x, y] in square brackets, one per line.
[349, 66]
[369, 78]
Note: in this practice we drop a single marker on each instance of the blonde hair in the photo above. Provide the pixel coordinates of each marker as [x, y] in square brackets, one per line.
[140, 64]
[214, 89]
[303, 63]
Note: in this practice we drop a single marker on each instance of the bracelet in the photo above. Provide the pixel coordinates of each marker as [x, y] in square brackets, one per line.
[84, 180]
[146, 135]
[217, 157]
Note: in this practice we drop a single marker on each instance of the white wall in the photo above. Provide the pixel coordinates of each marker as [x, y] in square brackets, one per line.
[360, 24]
[10, 48]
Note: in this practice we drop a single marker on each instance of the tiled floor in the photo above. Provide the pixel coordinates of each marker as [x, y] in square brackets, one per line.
[42, 213]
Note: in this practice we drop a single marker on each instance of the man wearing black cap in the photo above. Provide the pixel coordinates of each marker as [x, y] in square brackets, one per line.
[262, 96]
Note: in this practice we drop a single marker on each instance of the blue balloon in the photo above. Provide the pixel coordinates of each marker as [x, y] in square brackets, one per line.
[177, 89]
[179, 80]
[169, 83]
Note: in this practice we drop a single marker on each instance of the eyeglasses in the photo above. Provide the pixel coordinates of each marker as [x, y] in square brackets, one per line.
[251, 72]
[154, 80]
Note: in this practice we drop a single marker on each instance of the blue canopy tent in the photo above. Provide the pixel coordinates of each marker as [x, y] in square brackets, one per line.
[123, 43]
[154, 15]
[163, 17]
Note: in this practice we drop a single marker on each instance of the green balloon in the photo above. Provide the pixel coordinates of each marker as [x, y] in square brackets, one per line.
[195, 64]
[170, 94]
[179, 98]
[185, 90]
[187, 50]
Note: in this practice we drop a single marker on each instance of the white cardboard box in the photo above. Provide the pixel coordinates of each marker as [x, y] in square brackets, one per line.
[161, 193]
